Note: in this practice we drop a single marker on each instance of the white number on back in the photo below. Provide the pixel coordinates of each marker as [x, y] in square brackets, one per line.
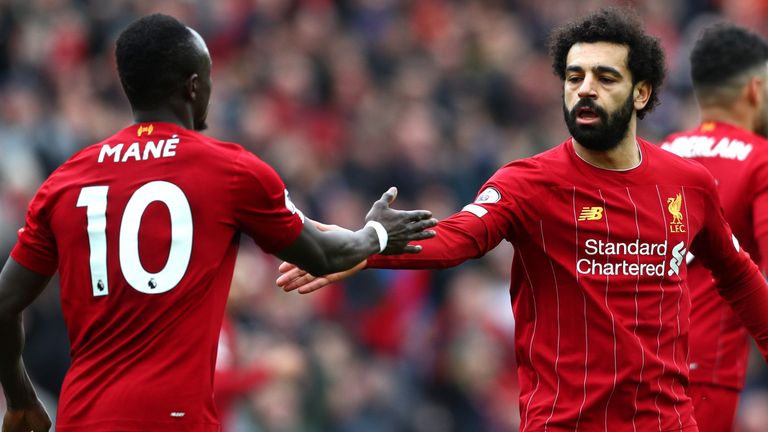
[94, 198]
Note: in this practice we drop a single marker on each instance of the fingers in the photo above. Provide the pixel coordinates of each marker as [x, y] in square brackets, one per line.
[311, 283]
[298, 282]
[417, 231]
[291, 279]
[412, 249]
[314, 285]
[423, 235]
[424, 224]
[285, 266]
[389, 196]
[417, 215]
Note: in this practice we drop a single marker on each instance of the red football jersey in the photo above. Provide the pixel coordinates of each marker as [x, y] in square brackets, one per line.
[598, 285]
[144, 231]
[739, 162]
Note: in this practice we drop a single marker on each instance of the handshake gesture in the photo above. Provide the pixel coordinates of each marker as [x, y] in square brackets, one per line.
[387, 231]
[396, 228]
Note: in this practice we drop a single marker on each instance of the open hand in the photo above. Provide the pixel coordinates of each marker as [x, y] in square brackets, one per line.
[293, 278]
[402, 226]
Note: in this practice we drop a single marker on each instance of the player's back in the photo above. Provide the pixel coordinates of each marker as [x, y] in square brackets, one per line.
[146, 225]
[738, 160]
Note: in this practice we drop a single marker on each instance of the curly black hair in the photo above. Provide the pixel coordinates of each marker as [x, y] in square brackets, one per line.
[155, 54]
[724, 51]
[615, 25]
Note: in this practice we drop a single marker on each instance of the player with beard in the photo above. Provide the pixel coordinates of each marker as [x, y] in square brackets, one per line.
[144, 229]
[600, 226]
[729, 67]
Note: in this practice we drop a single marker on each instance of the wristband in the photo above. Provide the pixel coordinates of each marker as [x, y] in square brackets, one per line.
[380, 232]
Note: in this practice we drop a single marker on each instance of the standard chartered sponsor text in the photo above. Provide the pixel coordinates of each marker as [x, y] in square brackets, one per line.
[594, 247]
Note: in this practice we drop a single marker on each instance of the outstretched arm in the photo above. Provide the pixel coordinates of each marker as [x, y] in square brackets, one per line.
[461, 237]
[323, 252]
[18, 288]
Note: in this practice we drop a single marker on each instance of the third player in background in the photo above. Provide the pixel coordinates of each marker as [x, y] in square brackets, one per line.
[730, 77]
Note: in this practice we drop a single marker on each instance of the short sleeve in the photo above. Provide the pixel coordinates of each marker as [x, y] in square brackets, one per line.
[36, 245]
[262, 206]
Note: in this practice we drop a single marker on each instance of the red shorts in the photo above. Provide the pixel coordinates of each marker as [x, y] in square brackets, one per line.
[714, 408]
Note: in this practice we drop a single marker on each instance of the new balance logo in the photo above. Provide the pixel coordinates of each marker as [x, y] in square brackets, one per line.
[591, 213]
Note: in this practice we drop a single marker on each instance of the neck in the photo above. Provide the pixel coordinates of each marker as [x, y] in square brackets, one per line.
[732, 115]
[626, 155]
[164, 114]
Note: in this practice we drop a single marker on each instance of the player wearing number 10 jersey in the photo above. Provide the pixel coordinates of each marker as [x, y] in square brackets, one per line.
[143, 229]
[141, 305]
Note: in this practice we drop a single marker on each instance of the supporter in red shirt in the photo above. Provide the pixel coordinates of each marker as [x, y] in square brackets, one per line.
[729, 67]
[143, 228]
[600, 227]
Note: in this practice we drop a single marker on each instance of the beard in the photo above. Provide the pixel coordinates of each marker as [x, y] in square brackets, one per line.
[605, 135]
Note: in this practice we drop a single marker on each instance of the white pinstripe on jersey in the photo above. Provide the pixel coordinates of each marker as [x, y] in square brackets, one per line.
[586, 327]
[557, 302]
[533, 335]
[687, 352]
[613, 318]
[661, 309]
[637, 313]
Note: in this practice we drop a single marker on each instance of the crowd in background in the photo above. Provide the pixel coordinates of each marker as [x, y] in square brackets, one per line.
[344, 98]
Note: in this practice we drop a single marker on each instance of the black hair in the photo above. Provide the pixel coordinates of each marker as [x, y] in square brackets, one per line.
[155, 54]
[620, 26]
[724, 51]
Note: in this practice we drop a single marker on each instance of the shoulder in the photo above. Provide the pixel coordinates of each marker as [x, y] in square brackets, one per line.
[536, 167]
[543, 170]
[675, 169]
[668, 162]
[717, 141]
[216, 147]
[229, 156]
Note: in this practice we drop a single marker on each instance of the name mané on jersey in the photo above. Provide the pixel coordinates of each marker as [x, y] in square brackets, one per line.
[138, 151]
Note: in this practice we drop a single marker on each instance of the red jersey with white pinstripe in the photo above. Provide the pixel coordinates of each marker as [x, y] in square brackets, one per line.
[738, 160]
[144, 229]
[598, 282]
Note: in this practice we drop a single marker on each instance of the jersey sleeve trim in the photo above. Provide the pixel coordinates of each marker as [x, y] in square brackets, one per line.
[261, 205]
[475, 210]
[33, 261]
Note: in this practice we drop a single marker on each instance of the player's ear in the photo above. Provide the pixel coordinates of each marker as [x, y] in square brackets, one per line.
[755, 90]
[191, 87]
[641, 93]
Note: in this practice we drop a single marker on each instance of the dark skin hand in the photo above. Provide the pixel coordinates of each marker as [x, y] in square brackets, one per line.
[315, 251]
[19, 286]
[331, 251]
[325, 252]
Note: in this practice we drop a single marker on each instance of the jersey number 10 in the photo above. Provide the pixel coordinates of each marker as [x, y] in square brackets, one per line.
[94, 198]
